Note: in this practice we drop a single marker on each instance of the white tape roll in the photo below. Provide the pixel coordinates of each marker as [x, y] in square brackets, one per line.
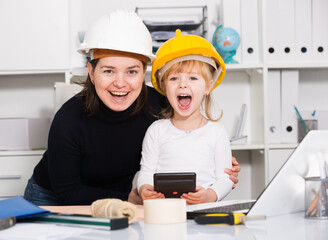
[175, 231]
[165, 211]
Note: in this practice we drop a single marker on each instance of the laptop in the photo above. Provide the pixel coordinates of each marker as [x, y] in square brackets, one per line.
[285, 193]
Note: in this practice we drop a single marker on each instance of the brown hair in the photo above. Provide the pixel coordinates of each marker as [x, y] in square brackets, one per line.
[92, 101]
[206, 70]
[100, 53]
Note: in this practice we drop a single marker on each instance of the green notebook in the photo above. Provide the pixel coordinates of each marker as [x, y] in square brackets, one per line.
[77, 220]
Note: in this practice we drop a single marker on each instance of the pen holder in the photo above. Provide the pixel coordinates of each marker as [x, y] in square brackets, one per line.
[304, 126]
[316, 203]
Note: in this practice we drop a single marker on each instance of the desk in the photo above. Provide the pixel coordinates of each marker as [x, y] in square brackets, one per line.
[290, 226]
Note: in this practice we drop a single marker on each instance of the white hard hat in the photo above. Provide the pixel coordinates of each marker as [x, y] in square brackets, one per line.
[120, 30]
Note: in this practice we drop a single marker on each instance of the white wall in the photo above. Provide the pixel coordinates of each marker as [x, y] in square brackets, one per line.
[28, 96]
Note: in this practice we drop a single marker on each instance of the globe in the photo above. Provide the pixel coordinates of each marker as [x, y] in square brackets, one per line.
[226, 42]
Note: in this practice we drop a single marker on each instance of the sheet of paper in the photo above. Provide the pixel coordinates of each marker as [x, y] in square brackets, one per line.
[34, 231]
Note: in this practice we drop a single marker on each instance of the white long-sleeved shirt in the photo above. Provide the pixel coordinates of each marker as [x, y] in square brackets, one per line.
[205, 151]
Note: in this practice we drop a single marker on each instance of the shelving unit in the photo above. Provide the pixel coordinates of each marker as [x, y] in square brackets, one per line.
[35, 55]
[163, 21]
[248, 83]
[24, 94]
[16, 169]
[244, 83]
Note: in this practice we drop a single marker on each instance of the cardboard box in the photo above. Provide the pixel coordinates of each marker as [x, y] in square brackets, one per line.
[24, 133]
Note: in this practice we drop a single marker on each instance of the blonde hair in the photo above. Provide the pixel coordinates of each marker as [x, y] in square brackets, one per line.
[204, 69]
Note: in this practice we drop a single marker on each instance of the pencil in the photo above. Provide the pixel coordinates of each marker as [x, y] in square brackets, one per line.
[313, 204]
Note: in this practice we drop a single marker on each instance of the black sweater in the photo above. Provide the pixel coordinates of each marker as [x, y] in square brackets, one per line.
[90, 158]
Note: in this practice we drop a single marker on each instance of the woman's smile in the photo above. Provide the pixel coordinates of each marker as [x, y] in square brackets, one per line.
[119, 94]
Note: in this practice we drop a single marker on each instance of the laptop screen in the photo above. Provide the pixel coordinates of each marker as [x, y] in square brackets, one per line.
[285, 193]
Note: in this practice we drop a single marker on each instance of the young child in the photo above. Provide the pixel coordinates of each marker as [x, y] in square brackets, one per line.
[186, 70]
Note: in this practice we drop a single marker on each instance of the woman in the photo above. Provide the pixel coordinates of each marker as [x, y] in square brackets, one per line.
[94, 144]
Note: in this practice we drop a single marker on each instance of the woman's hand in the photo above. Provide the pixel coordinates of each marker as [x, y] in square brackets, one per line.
[201, 195]
[147, 192]
[233, 172]
[134, 197]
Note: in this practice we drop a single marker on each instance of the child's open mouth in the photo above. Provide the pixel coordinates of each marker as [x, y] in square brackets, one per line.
[184, 101]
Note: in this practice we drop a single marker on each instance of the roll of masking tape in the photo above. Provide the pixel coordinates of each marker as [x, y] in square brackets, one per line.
[165, 211]
[175, 231]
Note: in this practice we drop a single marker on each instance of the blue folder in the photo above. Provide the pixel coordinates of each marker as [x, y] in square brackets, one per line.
[20, 208]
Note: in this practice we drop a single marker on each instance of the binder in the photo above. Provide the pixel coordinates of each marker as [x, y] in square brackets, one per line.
[241, 122]
[239, 138]
[272, 32]
[320, 30]
[231, 19]
[274, 107]
[287, 30]
[280, 31]
[303, 31]
[289, 98]
[249, 31]
[20, 208]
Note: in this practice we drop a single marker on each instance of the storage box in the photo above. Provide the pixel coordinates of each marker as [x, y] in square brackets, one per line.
[24, 133]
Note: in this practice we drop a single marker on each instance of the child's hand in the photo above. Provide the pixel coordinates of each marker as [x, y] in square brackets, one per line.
[147, 192]
[201, 195]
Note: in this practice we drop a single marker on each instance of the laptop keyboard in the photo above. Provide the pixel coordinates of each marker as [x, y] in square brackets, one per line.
[221, 209]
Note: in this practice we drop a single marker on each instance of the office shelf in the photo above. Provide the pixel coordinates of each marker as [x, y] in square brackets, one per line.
[37, 71]
[300, 65]
[237, 67]
[283, 146]
[22, 153]
[237, 147]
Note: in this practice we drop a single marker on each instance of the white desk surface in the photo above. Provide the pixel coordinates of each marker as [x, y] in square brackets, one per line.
[291, 226]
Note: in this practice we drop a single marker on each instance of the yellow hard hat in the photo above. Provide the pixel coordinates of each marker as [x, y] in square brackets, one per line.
[183, 45]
